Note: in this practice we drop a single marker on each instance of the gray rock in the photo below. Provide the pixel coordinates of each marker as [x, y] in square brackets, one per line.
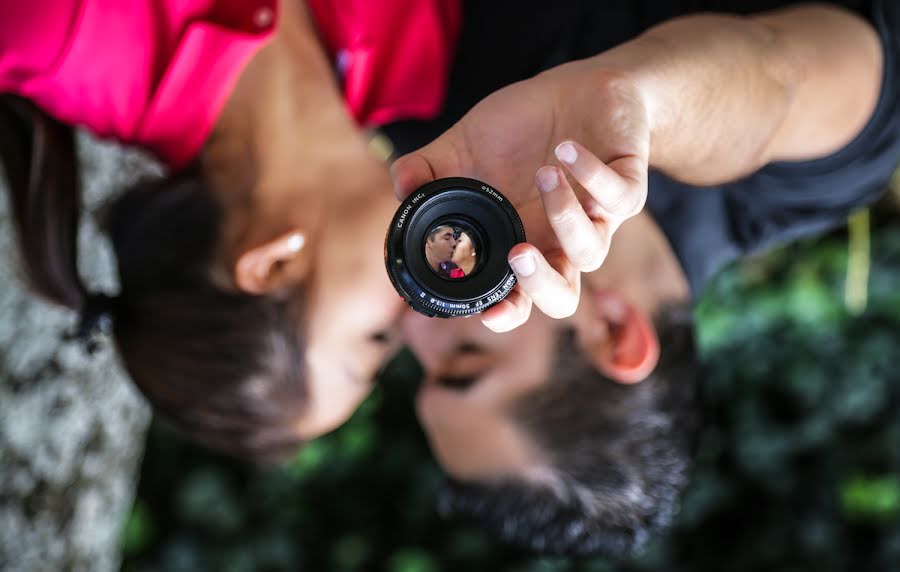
[71, 425]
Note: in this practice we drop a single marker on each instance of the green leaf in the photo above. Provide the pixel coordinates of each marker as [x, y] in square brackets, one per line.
[871, 498]
[412, 560]
[139, 530]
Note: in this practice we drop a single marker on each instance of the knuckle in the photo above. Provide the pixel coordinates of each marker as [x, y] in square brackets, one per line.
[521, 313]
[586, 258]
[557, 303]
[564, 219]
[626, 203]
[593, 180]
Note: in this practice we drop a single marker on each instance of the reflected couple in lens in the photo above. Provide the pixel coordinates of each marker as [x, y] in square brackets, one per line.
[450, 251]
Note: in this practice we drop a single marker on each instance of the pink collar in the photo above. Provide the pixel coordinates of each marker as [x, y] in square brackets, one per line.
[393, 56]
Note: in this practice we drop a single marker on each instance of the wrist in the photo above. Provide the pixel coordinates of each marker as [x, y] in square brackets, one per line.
[599, 96]
[712, 101]
[645, 65]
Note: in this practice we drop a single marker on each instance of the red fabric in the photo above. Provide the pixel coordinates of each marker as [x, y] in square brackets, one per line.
[394, 55]
[156, 73]
[457, 273]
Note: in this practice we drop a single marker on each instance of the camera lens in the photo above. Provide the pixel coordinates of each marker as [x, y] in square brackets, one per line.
[446, 248]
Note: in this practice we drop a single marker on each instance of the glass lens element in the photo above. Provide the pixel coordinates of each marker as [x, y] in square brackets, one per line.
[452, 249]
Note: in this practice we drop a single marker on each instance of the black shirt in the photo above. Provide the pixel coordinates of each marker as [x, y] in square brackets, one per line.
[506, 41]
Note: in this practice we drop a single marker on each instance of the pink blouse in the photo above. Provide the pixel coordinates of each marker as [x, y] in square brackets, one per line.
[156, 73]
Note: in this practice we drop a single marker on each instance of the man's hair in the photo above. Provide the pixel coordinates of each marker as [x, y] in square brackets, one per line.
[435, 230]
[618, 455]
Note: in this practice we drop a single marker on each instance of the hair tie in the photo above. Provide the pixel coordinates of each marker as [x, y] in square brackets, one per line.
[97, 319]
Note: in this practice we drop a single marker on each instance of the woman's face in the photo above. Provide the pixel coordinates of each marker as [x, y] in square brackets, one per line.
[464, 248]
[346, 306]
[286, 129]
[351, 309]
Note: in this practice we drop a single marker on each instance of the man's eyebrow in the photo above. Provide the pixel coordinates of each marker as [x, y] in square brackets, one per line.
[470, 348]
[458, 383]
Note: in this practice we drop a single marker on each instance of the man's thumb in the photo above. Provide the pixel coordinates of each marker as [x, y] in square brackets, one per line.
[410, 172]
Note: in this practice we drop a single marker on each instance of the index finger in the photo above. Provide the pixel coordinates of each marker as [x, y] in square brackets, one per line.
[618, 188]
[585, 241]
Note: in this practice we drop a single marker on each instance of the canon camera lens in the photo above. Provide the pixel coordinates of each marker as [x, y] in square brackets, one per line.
[446, 247]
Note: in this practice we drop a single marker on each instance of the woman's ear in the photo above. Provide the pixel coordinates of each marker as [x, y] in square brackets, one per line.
[273, 265]
[620, 339]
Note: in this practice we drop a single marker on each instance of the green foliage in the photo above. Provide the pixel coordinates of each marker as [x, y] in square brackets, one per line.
[412, 560]
[139, 531]
[871, 498]
[798, 466]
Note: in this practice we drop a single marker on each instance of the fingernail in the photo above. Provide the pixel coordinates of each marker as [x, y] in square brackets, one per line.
[547, 179]
[566, 153]
[523, 265]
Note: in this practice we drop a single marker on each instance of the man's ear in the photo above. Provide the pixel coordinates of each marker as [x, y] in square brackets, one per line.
[620, 339]
[273, 265]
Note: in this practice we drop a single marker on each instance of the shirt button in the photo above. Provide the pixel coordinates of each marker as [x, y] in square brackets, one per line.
[263, 17]
[342, 61]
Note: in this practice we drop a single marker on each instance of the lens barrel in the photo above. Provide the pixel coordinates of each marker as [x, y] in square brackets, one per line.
[445, 251]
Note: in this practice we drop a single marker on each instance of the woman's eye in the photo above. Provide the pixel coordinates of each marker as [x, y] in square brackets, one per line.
[468, 348]
[380, 337]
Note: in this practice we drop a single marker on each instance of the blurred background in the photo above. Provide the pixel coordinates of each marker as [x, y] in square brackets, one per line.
[798, 466]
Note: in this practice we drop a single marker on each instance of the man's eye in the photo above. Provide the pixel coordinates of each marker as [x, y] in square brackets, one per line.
[457, 383]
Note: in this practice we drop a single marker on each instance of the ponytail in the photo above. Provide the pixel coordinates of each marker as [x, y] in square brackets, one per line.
[226, 368]
[38, 154]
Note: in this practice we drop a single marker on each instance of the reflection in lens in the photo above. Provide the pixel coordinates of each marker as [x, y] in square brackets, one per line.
[451, 249]
[464, 255]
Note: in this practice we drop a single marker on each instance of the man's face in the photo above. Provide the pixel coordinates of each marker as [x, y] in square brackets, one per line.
[441, 244]
[472, 378]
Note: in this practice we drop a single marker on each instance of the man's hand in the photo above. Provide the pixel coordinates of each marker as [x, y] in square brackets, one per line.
[511, 140]
[706, 99]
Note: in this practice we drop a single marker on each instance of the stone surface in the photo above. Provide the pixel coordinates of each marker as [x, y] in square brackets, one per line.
[71, 425]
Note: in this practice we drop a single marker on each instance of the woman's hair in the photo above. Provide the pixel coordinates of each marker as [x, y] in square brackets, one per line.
[226, 368]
